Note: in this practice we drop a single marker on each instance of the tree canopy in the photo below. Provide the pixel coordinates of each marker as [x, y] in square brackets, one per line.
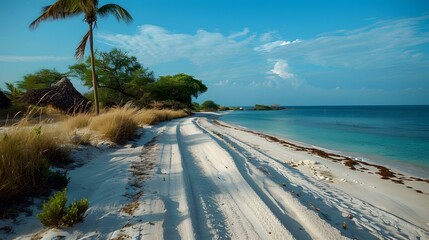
[120, 77]
[180, 87]
[209, 105]
[41, 79]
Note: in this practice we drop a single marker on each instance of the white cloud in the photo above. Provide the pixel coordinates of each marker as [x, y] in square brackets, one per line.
[224, 83]
[239, 34]
[387, 49]
[267, 47]
[379, 45]
[281, 69]
[267, 37]
[154, 45]
[281, 75]
[33, 58]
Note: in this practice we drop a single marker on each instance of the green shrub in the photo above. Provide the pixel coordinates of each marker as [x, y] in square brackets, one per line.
[53, 210]
[76, 212]
[56, 214]
[209, 105]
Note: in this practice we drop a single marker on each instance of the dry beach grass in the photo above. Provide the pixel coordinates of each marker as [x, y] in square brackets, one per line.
[28, 150]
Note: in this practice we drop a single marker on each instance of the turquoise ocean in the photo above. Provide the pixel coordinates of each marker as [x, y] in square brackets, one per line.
[395, 136]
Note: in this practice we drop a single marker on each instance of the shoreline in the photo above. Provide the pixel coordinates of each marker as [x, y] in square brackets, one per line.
[385, 172]
[403, 167]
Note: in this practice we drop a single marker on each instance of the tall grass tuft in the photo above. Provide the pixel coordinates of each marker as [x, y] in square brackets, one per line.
[152, 116]
[118, 124]
[78, 121]
[26, 154]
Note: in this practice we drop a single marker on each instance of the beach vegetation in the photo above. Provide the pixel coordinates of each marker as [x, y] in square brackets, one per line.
[85, 139]
[118, 125]
[196, 106]
[55, 213]
[152, 116]
[121, 78]
[13, 93]
[9, 101]
[41, 79]
[180, 87]
[28, 151]
[62, 9]
[26, 155]
[209, 105]
[166, 104]
[77, 122]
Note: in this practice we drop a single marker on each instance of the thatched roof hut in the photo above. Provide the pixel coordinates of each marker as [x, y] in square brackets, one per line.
[4, 101]
[61, 95]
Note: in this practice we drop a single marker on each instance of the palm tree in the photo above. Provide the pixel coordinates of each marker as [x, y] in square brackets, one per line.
[62, 9]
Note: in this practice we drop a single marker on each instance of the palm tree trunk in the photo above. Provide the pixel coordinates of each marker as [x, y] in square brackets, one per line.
[94, 75]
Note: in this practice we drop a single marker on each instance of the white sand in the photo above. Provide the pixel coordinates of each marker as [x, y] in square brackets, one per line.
[193, 179]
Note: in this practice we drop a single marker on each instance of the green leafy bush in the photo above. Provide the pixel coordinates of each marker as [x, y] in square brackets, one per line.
[56, 214]
[53, 210]
[76, 212]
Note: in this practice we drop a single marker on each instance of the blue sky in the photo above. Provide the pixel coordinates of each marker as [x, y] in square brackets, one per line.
[268, 52]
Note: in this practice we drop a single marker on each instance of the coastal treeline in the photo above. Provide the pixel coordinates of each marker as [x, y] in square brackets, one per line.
[121, 78]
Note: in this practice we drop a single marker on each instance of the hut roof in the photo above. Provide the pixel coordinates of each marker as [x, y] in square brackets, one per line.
[4, 101]
[61, 95]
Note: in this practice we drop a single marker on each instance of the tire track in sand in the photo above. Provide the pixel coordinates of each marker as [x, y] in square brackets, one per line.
[221, 191]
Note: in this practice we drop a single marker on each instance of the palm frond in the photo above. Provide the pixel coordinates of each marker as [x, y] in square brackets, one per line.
[45, 8]
[80, 50]
[117, 11]
[59, 10]
[89, 7]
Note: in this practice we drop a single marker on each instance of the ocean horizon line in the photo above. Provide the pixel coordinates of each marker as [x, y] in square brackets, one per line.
[345, 105]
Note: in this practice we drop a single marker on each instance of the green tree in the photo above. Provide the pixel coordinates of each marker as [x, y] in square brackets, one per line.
[196, 106]
[180, 87]
[209, 105]
[62, 9]
[41, 79]
[13, 93]
[120, 77]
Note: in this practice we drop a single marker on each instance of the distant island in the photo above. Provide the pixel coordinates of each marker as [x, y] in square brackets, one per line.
[265, 107]
[211, 106]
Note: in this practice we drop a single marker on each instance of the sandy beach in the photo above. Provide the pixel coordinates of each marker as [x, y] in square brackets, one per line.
[200, 178]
